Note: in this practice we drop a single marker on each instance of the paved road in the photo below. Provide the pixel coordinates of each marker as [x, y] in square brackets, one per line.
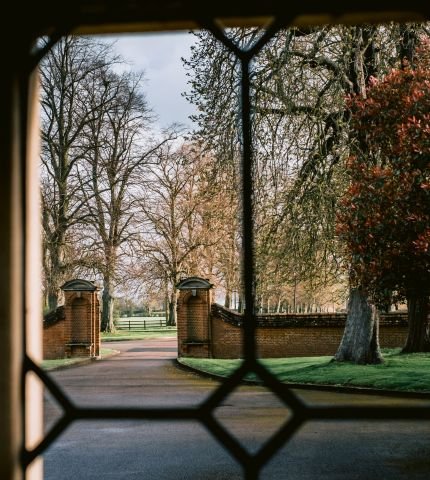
[145, 374]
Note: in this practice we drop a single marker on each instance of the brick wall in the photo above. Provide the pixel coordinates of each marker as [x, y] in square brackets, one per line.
[294, 335]
[54, 335]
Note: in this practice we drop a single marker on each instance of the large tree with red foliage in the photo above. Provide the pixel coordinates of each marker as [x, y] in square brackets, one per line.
[384, 216]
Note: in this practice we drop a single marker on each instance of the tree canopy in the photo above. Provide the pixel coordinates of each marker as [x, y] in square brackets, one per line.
[384, 216]
[385, 213]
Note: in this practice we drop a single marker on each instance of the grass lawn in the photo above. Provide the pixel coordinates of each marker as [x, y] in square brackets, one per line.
[409, 372]
[144, 334]
[65, 362]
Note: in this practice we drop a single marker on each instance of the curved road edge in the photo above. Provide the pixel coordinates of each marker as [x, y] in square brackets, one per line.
[314, 386]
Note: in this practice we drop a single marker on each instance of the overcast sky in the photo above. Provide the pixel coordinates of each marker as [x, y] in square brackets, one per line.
[159, 56]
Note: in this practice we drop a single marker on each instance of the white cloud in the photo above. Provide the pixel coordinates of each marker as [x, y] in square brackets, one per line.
[159, 56]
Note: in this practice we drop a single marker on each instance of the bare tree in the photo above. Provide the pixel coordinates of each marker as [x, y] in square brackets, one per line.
[173, 198]
[68, 75]
[301, 137]
[283, 136]
[119, 151]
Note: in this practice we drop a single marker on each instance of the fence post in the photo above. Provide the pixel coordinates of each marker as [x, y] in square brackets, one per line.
[144, 324]
[129, 325]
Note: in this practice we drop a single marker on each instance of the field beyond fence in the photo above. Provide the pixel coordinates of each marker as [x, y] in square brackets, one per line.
[137, 324]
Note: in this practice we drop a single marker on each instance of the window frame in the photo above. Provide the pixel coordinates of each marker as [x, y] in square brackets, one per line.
[20, 243]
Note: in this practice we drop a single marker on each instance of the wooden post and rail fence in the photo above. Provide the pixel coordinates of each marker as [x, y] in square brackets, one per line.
[140, 323]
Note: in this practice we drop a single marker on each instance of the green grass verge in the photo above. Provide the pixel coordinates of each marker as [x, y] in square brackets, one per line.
[399, 372]
[65, 362]
[143, 335]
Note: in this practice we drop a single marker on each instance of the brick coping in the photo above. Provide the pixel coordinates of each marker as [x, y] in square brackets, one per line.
[51, 318]
[306, 320]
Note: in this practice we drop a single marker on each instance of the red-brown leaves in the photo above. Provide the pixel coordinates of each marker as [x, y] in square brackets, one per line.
[384, 215]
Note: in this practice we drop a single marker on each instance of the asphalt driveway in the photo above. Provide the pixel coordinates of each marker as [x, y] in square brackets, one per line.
[145, 374]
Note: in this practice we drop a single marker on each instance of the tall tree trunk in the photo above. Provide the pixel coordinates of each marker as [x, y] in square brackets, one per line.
[360, 341]
[55, 273]
[54, 294]
[409, 39]
[260, 303]
[294, 296]
[418, 318]
[240, 303]
[107, 308]
[52, 298]
[278, 305]
[166, 299]
[172, 308]
[227, 301]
